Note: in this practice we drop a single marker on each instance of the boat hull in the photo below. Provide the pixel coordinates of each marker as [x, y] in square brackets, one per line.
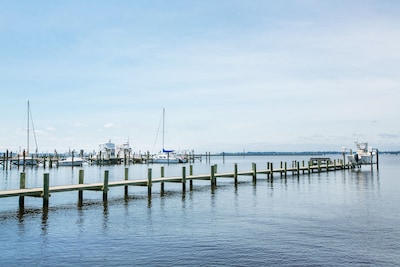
[71, 162]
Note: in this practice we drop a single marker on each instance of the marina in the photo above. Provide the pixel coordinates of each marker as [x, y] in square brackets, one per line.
[341, 217]
[296, 169]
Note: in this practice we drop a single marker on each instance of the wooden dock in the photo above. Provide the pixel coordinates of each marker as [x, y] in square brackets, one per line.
[296, 169]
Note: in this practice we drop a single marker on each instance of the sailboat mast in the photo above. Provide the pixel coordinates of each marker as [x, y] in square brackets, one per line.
[27, 143]
[163, 122]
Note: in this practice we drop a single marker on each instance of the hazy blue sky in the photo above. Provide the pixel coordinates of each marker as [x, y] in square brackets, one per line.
[233, 75]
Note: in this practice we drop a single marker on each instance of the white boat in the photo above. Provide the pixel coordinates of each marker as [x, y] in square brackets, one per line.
[28, 161]
[71, 161]
[165, 158]
[363, 156]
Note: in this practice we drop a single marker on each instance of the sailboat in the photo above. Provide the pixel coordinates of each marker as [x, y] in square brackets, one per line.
[166, 155]
[26, 159]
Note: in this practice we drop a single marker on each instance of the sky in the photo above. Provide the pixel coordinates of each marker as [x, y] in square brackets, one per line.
[232, 75]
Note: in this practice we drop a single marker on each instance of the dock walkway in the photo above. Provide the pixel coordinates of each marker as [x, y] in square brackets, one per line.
[46, 191]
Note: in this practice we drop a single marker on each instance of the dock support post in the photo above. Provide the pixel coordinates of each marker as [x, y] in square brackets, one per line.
[285, 170]
[191, 173]
[254, 168]
[298, 169]
[46, 193]
[149, 183]
[377, 159]
[235, 173]
[271, 171]
[162, 183]
[183, 179]
[126, 179]
[22, 186]
[105, 185]
[212, 177]
[80, 192]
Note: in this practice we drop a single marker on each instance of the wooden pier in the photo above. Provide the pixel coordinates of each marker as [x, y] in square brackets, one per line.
[296, 169]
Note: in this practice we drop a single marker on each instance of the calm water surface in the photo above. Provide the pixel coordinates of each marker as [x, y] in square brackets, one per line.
[342, 218]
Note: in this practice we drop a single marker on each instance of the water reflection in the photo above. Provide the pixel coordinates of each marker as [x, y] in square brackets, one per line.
[105, 215]
[45, 216]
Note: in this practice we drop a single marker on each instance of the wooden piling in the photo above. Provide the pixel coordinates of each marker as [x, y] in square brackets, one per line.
[377, 159]
[191, 180]
[212, 177]
[235, 173]
[271, 171]
[285, 170]
[105, 185]
[126, 179]
[162, 183]
[46, 194]
[254, 168]
[80, 192]
[298, 169]
[149, 183]
[183, 179]
[22, 186]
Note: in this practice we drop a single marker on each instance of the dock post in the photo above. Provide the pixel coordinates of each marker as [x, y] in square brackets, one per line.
[319, 165]
[212, 177]
[377, 159]
[22, 186]
[191, 180]
[80, 192]
[46, 193]
[162, 183]
[126, 179]
[149, 184]
[254, 168]
[285, 170]
[298, 169]
[235, 173]
[271, 171]
[105, 185]
[183, 179]
[281, 169]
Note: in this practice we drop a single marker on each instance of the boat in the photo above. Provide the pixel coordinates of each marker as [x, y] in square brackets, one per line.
[71, 161]
[364, 155]
[25, 159]
[109, 153]
[166, 156]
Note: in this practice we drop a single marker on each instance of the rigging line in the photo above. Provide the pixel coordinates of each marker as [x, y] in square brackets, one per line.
[33, 128]
[158, 131]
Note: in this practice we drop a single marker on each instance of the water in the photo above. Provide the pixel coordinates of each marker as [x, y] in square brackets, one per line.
[342, 218]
